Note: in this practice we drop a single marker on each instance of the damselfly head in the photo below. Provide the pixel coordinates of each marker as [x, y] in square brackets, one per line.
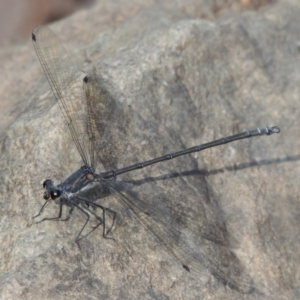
[51, 192]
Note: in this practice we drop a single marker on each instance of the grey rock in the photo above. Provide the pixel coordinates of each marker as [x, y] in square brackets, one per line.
[180, 80]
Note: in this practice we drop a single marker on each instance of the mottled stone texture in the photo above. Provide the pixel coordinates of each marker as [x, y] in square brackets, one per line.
[182, 74]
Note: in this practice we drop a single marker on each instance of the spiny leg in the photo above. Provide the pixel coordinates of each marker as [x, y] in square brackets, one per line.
[104, 209]
[100, 220]
[58, 218]
[67, 218]
[87, 219]
[41, 210]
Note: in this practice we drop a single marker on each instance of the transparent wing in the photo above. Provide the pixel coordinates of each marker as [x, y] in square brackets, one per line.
[194, 235]
[172, 204]
[103, 118]
[66, 83]
[174, 211]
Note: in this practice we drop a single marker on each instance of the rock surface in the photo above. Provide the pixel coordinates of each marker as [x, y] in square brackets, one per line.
[182, 75]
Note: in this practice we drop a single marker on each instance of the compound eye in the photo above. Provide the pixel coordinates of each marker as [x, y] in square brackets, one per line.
[46, 196]
[55, 194]
[47, 182]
